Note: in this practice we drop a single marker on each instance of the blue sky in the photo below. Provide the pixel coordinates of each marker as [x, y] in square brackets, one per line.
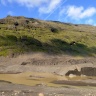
[72, 11]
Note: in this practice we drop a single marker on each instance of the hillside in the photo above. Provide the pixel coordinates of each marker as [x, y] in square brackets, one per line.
[19, 35]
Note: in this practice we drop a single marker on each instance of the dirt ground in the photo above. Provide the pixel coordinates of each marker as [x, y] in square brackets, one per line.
[59, 65]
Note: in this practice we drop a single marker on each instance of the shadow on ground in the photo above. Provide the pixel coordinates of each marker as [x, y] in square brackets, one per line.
[57, 46]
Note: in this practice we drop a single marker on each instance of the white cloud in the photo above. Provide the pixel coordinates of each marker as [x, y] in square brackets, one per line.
[88, 12]
[91, 22]
[50, 7]
[44, 6]
[27, 3]
[74, 12]
[3, 2]
[78, 13]
[62, 11]
[10, 13]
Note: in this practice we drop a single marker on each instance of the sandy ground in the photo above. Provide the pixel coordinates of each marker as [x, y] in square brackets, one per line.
[59, 65]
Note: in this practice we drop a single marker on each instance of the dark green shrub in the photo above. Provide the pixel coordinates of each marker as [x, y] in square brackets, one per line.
[54, 30]
[27, 21]
[1, 37]
[23, 38]
[12, 38]
[30, 41]
[33, 41]
[16, 23]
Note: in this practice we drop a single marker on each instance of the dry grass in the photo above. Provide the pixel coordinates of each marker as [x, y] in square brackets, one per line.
[47, 36]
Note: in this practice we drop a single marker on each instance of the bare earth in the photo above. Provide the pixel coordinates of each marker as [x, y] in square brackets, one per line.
[80, 75]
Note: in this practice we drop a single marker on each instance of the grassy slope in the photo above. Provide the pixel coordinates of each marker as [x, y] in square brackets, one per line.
[36, 35]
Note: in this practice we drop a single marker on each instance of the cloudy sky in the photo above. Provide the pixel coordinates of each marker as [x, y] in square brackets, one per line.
[73, 11]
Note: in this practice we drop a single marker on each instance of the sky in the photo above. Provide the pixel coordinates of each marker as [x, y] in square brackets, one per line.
[70, 11]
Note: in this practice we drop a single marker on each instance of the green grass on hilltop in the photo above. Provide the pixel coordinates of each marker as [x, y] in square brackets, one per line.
[31, 35]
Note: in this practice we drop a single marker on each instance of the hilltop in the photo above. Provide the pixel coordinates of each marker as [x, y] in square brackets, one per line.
[20, 34]
[51, 57]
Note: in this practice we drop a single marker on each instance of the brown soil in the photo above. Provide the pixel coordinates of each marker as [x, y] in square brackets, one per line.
[46, 63]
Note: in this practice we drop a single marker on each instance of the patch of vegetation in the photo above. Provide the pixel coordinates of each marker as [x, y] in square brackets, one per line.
[16, 23]
[46, 36]
[54, 30]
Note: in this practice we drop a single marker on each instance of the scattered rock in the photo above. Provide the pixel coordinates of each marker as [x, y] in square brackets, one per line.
[40, 94]
[25, 63]
[72, 76]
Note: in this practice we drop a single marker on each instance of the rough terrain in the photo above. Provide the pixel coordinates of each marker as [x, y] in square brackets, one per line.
[61, 65]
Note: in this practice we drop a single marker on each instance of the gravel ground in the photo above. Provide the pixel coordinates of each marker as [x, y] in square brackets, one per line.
[45, 63]
[22, 90]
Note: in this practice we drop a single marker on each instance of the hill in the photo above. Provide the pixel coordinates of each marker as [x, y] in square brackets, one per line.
[20, 34]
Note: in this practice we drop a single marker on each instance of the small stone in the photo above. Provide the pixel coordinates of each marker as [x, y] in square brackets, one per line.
[72, 75]
[41, 94]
